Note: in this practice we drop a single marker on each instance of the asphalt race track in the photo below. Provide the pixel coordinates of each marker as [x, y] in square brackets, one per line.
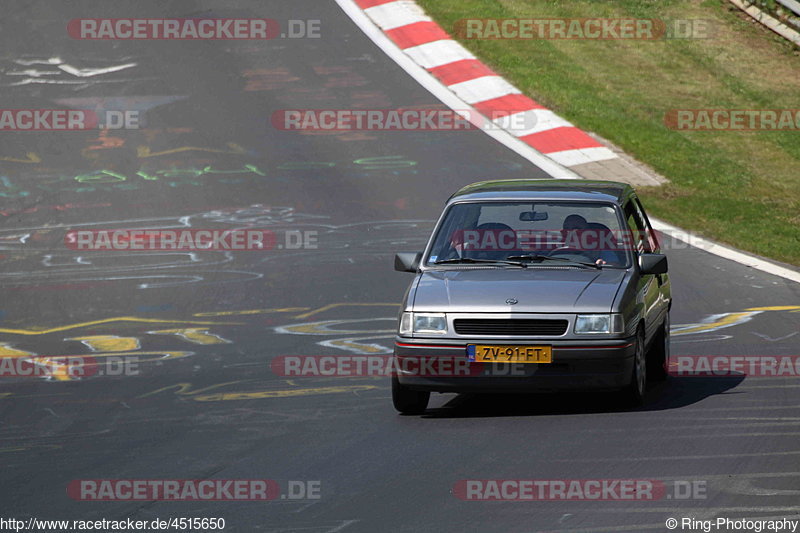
[198, 399]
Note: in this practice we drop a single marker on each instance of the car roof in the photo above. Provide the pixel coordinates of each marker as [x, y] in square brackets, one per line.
[547, 189]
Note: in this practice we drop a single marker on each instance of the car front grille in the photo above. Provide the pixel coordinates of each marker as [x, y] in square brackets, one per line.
[513, 327]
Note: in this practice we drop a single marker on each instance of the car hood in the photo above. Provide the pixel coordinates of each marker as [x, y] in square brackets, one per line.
[537, 290]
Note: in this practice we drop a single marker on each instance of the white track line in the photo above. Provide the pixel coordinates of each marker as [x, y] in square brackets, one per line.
[726, 252]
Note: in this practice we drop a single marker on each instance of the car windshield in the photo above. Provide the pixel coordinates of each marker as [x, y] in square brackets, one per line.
[536, 232]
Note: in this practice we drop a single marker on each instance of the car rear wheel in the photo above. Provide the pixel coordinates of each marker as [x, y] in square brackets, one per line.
[658, 355]
[408, 401]
[633, 394]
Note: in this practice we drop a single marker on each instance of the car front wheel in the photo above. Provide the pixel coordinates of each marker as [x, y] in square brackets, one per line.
[633, 394]
[658, 355]
[408, 401]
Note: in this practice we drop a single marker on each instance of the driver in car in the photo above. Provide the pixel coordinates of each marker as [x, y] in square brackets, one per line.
[577, 223]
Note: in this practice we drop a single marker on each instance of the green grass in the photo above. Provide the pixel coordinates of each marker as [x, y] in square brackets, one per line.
[741, 188]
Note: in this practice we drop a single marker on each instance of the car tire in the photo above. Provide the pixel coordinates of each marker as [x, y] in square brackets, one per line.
[408, 401]
[633, 393]
[658, 355]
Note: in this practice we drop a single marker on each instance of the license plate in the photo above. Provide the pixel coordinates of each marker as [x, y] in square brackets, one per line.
[492, 353]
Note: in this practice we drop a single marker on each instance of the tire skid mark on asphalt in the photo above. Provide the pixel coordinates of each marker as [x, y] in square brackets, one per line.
[753, 408]
[4, 395]
[776, 339]
[744, 388]
[61, 372]
[43, 446]
[35, 447]
[722, 434]
[776, 418]
[45, 331]
[664, 425]
[281, 393]
[336, 527]
[678, 457]
[252, 311]
[233, 148]
[186, 390]
[337, 305]
[194, 335]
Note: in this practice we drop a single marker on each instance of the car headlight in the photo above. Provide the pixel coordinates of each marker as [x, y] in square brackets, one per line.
[425, 323]
[599, 324]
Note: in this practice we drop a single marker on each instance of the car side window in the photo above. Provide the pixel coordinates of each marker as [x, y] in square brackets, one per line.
[649, 237]
[635, 226]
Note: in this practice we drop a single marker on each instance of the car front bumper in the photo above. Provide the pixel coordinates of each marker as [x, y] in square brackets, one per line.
[577, 365]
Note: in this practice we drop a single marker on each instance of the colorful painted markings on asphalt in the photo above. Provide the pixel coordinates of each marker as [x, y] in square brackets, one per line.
[187, 391]
[105, 348]
[714, 323]
[188, 175]
[353, 334]
[102, 349]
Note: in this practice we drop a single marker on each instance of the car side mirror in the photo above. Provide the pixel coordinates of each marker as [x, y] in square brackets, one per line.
[653, 264]
[407, 261]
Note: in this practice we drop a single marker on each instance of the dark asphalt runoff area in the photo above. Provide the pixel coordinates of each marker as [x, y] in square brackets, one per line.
[180, 343]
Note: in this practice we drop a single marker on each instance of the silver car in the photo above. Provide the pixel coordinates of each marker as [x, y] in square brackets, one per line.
[534, 285]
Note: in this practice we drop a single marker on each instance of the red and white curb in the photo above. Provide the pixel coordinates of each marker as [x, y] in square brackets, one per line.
[453, 75]
[430, 47]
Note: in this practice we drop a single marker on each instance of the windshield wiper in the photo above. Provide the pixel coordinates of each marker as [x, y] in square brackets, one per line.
[538, 257]
[468, 260]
